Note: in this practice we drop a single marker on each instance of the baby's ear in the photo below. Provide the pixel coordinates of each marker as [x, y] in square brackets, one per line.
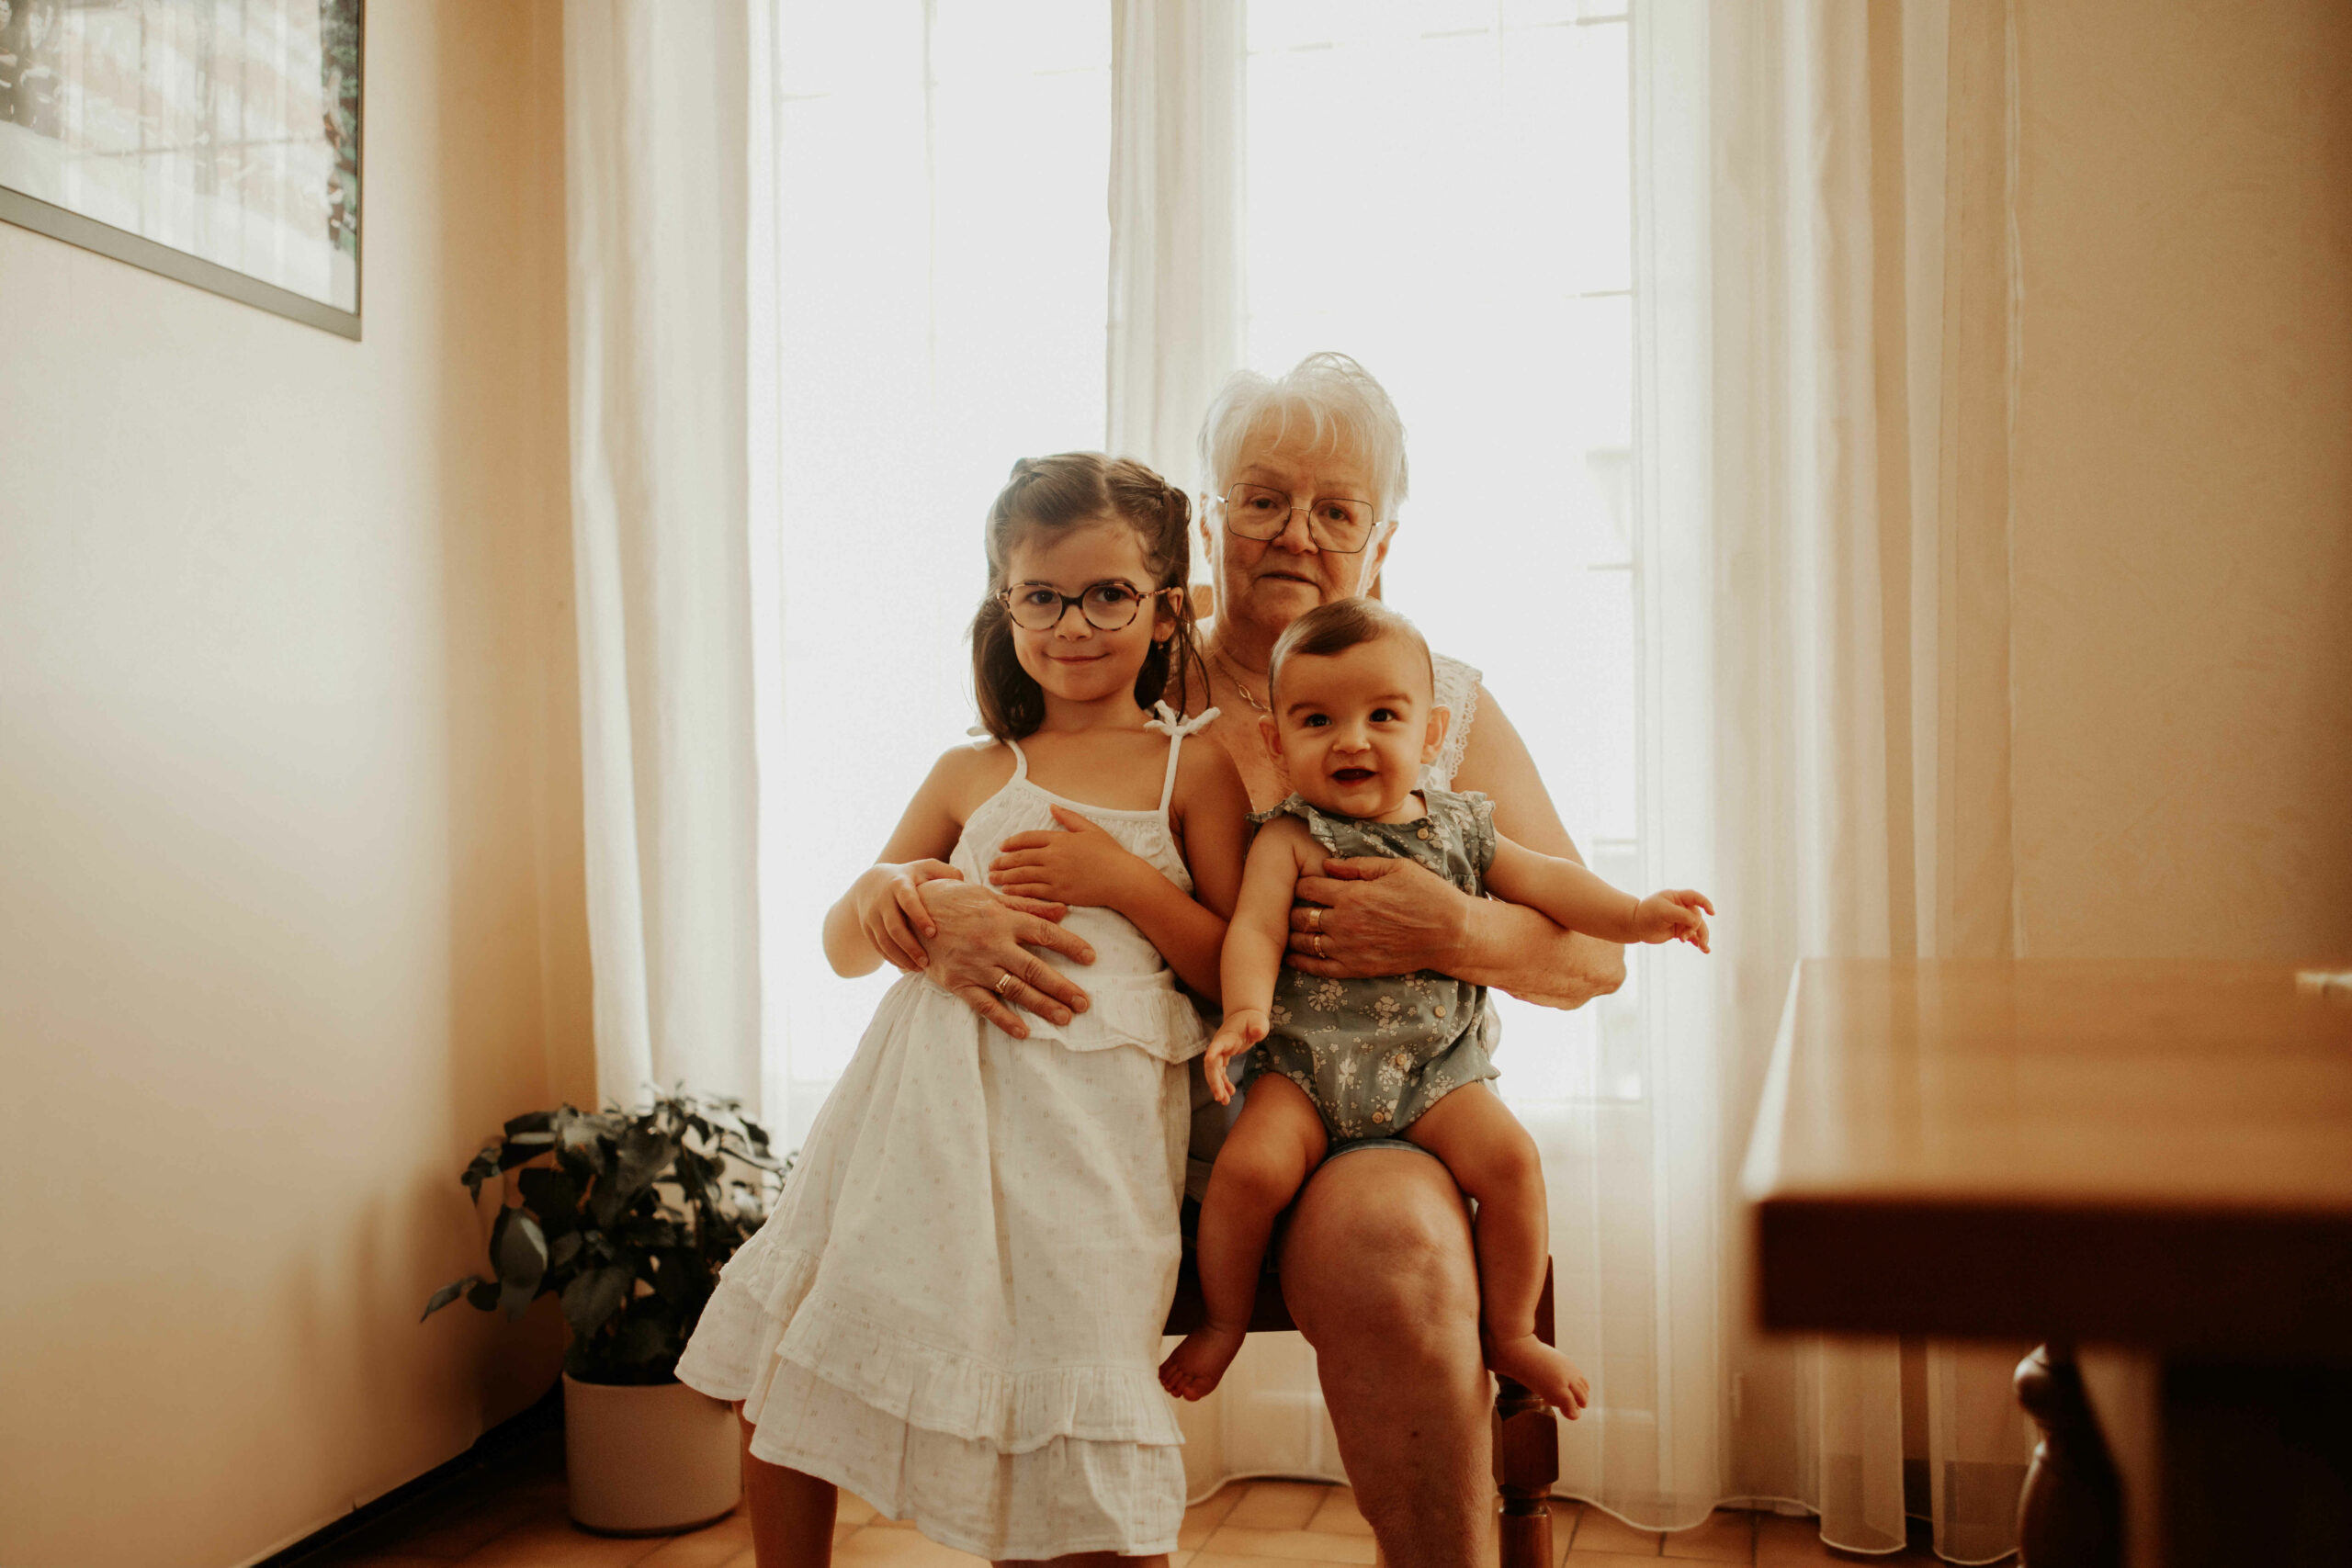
[1434, 741]
[1273, 733]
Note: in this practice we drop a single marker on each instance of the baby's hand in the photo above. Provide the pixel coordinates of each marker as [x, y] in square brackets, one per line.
[1083, 865]
[1674, 915]
[1242, 1028]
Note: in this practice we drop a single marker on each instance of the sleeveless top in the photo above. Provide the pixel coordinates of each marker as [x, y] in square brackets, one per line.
[1134, 998]
[1373, 1054]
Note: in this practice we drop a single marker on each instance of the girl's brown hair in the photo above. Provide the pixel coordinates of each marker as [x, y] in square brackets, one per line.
[1068, 490]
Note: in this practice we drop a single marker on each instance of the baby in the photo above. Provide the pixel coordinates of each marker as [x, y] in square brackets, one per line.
[1351, 1063]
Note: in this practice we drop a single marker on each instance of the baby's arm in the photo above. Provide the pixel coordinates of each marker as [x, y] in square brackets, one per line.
[1569, 895]
[1255, 942]
[890, 927]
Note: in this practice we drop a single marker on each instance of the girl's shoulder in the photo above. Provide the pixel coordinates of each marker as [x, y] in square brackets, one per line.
[968, 772]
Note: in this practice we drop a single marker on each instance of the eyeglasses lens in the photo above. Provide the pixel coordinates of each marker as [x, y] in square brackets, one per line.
[1334, 522]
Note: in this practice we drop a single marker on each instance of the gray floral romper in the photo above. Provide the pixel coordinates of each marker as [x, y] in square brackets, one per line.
[1373, 1054]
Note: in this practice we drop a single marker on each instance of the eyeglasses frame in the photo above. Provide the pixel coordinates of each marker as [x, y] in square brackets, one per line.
[1224, 504]
[1003, 596]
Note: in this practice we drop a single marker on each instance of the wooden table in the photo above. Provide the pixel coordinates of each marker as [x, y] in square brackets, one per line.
[2155, 1155]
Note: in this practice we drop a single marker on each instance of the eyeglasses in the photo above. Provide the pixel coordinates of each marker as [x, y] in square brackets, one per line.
[1335, 522]
[1108, 605]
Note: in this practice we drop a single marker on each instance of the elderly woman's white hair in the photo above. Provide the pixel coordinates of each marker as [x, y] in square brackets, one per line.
[1333, 400]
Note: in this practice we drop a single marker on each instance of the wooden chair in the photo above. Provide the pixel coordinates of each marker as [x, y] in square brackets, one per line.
[1527, 1443]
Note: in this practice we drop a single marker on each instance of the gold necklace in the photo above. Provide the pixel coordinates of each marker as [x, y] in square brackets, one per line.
[1235, 677]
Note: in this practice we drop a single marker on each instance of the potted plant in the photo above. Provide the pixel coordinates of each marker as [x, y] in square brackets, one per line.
[627, 1218]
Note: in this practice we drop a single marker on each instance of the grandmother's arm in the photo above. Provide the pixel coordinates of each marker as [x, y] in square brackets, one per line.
[1507, 945]
[1511, 946]
[1391, 915]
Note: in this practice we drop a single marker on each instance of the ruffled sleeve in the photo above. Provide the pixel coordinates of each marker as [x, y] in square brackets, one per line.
[1318, 824]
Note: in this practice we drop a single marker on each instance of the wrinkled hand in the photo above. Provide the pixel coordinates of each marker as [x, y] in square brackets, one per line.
[1673, 915]
[1081, 863]
[984, 936]
[1242, 1028]
[1376, 917]
[891, 912]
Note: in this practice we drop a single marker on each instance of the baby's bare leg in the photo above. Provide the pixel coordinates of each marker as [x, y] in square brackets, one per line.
[1274, 1147]
[1495, 1161]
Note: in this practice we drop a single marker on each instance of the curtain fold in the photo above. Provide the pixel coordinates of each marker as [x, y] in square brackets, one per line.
[1174, 326]
[1838, 371]
[656, 165]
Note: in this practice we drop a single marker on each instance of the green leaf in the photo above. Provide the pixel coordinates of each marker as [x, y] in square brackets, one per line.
[593, 1296]
[518, 1250]
[530, 1122]
[553, 1196]
[448, 1293]
[562, 1249]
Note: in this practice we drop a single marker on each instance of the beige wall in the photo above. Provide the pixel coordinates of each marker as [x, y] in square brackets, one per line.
[2183, 481]
[289, 876]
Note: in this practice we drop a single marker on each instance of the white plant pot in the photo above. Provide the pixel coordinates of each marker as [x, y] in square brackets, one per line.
[649, 1459]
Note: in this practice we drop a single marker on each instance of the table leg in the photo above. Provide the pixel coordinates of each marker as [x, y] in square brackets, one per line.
[2071, 1514]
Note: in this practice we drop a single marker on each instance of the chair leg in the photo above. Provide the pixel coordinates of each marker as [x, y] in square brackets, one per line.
[1527, 1459]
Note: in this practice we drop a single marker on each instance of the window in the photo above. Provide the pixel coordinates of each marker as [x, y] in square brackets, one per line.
[1440, 190]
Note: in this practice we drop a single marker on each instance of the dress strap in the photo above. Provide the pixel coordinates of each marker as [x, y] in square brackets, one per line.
[1020, 758]
[1176, 727]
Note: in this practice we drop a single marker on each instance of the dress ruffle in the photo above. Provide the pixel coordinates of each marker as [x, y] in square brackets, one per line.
[1068, 1496]
[761, 1310]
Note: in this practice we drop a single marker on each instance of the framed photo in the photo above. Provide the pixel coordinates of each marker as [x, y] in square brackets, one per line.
[215, 142]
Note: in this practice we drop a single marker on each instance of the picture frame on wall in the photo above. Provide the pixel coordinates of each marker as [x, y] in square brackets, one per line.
[214, 142]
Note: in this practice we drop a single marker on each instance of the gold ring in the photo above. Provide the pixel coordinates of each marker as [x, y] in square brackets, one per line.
[1005, 981]
[1315, 917]
[1319, 946]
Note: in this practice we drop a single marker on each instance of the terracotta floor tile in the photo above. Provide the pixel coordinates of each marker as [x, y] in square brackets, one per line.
[899, 1549]
[550, 1543]
[1338, 1513]
[466, 1518]
[1301, 1545]
[1608, 1559]
[851, 1509]
[1278, 1504]
[1728, 1535]
[1565, 1515]
[1597, 1532]
[703, 1549]
[1207, 1513]
[842, 1531]
[1786, 1540]
[1224, 1560]
[1179, 1558]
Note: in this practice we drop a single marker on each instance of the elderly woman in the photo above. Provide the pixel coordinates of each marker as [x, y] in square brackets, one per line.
[1305, 473]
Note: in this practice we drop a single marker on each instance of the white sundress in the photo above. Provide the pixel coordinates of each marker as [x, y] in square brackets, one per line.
[955, 1310]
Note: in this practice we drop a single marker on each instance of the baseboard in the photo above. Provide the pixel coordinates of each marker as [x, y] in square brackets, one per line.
[517, 1431]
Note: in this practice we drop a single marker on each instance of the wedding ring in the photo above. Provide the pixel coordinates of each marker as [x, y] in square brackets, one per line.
[1315, 917]
[1319, 945]
[1005, 982]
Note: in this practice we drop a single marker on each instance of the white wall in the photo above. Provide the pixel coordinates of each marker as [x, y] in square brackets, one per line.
[289, 874]
[2182, 584]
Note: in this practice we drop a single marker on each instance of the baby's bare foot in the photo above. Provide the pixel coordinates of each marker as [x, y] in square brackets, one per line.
[1550, 1376]
[1195, 1367]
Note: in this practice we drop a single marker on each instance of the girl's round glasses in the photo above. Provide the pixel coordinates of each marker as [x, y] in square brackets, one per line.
[1335, 522]
[1108, 605]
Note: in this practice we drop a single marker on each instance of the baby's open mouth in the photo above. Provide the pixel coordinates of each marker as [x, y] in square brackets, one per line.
[1351, 775]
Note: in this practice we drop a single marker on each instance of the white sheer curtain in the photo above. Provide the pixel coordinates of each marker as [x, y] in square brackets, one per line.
[1823, 284]
[1698, 315]
[1719, 505]
[657, 206]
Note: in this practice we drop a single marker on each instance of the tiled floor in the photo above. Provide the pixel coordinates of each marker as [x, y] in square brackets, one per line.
[514, 1517]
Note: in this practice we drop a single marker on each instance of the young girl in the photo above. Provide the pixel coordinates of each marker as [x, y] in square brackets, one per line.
[956, 1308]
[1353, 719]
